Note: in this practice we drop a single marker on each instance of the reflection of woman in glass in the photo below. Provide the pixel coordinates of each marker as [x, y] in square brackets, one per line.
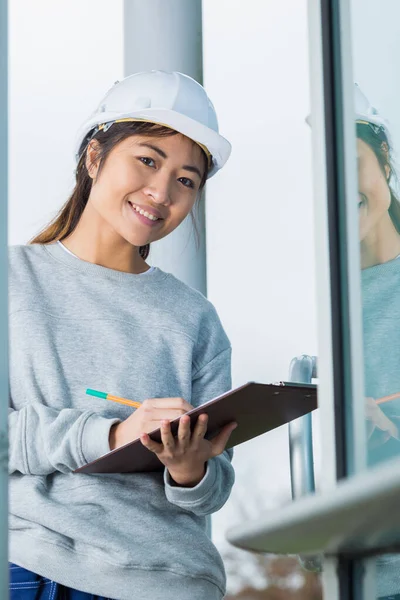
[379, 230]
[379, 222]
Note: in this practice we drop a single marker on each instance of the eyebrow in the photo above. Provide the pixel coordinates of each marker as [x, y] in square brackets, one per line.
[190, 168]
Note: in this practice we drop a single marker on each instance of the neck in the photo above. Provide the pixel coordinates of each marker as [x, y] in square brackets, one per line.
[96, 242]
[382, 245]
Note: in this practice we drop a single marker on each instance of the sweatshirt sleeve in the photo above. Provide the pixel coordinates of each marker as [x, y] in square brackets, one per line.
[213, 491]
[43, 440]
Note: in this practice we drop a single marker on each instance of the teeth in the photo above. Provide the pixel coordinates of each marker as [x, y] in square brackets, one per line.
[145, 213]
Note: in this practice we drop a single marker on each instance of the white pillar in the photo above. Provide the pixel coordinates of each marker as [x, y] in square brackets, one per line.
[167, 35]
[3, 304]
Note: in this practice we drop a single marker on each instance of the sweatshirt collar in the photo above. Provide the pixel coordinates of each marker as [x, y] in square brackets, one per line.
[74, 262]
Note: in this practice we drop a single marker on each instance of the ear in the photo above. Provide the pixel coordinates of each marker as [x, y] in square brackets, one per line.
[93, 158]
[387, 171]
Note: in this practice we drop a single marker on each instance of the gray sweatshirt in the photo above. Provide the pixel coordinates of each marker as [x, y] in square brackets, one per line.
[76, 325]
[381, 321]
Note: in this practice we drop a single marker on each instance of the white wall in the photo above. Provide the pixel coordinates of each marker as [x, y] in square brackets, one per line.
[259, 208]
[63, 56]
[260, 254]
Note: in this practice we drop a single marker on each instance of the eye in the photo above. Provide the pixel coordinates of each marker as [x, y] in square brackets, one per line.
[186, 182]
[146, 161]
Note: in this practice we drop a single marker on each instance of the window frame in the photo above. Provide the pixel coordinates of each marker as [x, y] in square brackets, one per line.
[345, 483]
[4, 387]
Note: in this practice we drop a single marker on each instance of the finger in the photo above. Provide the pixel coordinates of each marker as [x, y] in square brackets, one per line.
[151, 444]
[170, 403]
[184, 432]
[378, 418]
[392, 429]
[167, 438]
[200, 429]
[385, 424]
[158, 414]
[371, 409]
[219, 442]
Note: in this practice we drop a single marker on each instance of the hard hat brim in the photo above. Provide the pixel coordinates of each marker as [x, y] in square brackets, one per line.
[216, 144]
[378, 121]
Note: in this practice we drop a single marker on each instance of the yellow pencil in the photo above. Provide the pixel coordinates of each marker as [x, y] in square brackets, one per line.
[113, 398]
[388, 398]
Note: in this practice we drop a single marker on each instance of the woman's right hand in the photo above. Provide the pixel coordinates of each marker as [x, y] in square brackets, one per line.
[378, 420]
[147, 418]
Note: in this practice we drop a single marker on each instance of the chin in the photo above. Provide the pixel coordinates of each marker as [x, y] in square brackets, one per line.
[137, 243]
[133, 237]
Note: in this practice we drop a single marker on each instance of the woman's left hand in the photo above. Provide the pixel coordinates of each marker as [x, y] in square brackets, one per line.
[186, 455]
[377, 419]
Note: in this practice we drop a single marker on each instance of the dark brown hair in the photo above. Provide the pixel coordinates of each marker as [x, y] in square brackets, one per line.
[68, 217]
[377, 140]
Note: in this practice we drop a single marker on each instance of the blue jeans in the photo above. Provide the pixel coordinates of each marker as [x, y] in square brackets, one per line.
[25, 585]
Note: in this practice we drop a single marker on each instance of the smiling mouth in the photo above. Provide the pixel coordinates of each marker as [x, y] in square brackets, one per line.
[144, 213]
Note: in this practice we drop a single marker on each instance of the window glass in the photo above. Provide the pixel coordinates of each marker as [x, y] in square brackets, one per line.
[375, 28]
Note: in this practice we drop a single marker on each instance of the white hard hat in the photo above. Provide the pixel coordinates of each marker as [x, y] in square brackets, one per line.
[366, 113]
[171, 99]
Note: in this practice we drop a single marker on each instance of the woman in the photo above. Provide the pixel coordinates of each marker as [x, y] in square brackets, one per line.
[87, 311]
[379, 227]
[379, 231]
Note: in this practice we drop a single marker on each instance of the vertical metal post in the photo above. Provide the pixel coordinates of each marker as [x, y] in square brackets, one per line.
[3, 301]
[302, 370]
[337, 265]
[167, 35]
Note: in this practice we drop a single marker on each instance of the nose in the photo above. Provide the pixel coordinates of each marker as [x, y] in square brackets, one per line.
[159, 189]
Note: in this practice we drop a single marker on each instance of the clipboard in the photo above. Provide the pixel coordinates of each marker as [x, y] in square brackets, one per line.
[256, 407]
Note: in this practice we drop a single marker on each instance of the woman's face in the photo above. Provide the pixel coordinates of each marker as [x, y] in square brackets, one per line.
[147, 185]
[373, 190]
